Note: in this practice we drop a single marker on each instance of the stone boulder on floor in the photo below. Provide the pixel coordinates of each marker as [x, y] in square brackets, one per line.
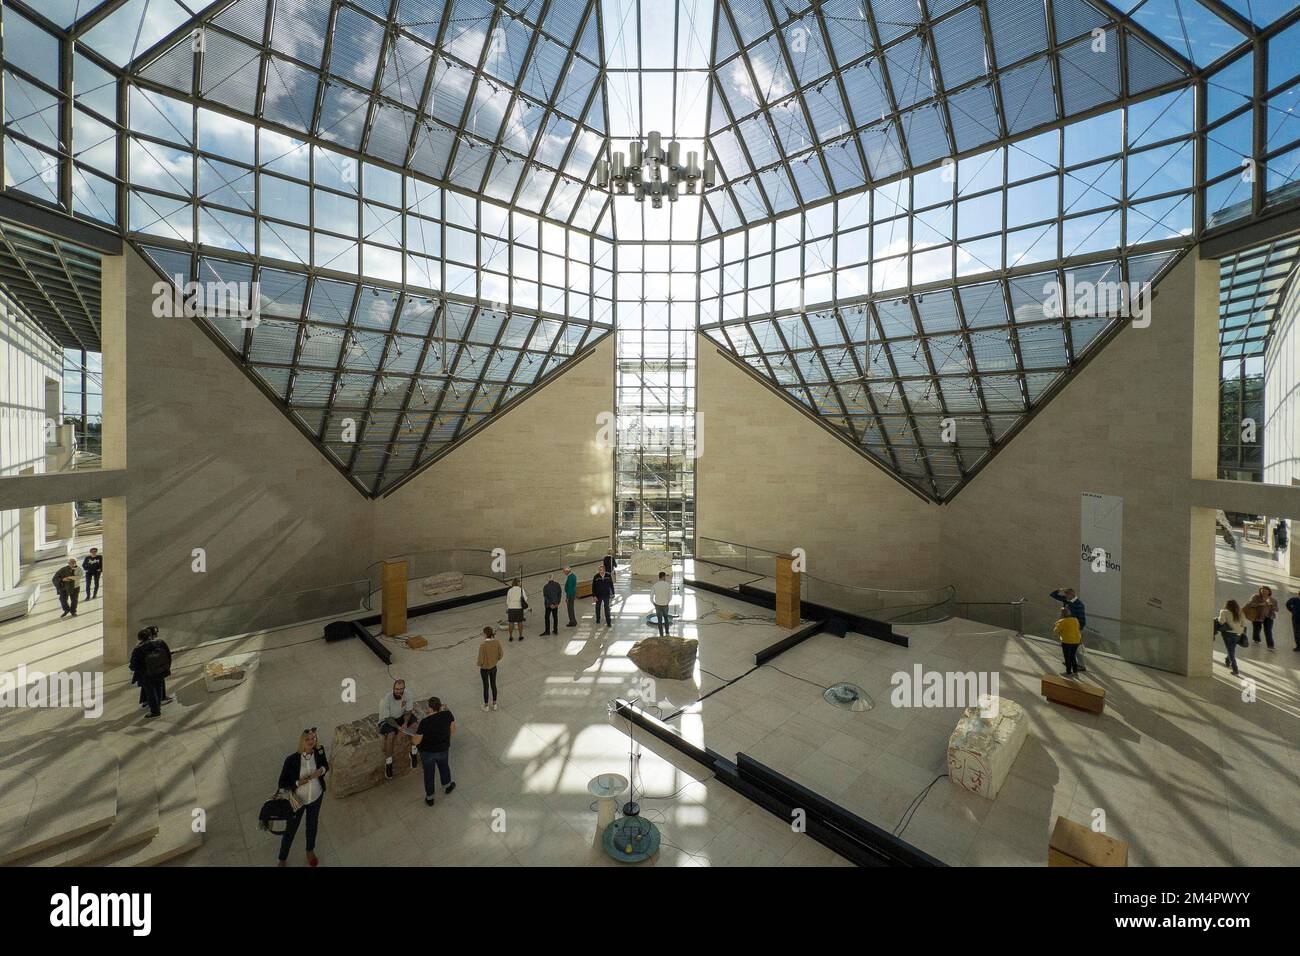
[357, 755]
[648, 564]
[668, 658]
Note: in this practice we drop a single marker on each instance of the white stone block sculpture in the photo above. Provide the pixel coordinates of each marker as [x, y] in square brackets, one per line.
[981, 750]
[223, 672]
[648, 564]
[443, 583]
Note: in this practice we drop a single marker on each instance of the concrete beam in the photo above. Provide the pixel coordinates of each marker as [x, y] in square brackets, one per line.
[31, 491]
[1276, 501]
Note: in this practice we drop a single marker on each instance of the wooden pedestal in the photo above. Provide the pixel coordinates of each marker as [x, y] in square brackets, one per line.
[393, 614]
[1073, 844]
[1074, 693]
[787, 592]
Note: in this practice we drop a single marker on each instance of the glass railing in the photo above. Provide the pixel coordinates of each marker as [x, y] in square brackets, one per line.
[470, 562]
[1008, 615]
[485, 564]
[1144, 644]
[357, 598]
[190, 628]
[909, 606]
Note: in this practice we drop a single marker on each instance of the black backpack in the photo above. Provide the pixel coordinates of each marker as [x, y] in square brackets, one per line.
[157, 660]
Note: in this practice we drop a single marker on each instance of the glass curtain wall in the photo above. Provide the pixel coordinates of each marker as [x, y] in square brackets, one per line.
[657, 53]
[657, 438]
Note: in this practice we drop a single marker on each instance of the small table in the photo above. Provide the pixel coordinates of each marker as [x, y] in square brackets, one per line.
[606, 788]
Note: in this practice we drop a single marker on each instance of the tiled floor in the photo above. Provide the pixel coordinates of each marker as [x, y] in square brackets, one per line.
[45, 640]
[1183, 769]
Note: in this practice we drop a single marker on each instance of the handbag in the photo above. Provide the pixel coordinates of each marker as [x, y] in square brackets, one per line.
[279, 809]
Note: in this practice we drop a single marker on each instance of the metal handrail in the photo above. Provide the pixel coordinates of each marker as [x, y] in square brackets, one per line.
[837, 584]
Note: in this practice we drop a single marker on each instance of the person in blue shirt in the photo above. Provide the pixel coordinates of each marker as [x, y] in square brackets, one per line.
[1075, 606]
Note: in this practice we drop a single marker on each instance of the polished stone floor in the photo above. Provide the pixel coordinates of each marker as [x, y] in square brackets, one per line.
[1183, 769]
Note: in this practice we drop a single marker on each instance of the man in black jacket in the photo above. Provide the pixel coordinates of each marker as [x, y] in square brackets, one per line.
[551, 594]
[93, 565]
[67, 585]
[151, 665]
[602, 589]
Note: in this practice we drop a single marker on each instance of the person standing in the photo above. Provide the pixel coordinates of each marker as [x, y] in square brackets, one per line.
[1293, 605]
[661, 594]
[609, 564]
[1067, 631]
[303, 776]
[602, 589]
[1261, 609]
[1077, 611]
[516, 603]
[551, 593]
[395, 716]
[433, 737]
[570, 594]
[490, 653]
[1232, 628]
[93, 565]
[67, 584]
[151, 665]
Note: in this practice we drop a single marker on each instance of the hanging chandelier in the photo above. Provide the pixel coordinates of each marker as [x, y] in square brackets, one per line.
[650, 170]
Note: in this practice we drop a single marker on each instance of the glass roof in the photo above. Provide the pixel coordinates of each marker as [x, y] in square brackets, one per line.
[409, 186]
[830, 97]
[1250, 290]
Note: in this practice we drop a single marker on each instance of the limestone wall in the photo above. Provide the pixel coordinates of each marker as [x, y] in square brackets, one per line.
[534, 478]
[771, 478]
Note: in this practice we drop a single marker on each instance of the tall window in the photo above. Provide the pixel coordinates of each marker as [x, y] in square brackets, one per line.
[657, 440]
[83, 397]
[1241, 419]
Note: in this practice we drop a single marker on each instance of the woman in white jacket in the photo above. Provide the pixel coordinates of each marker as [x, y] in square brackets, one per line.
[1232, 627]
[516, 602]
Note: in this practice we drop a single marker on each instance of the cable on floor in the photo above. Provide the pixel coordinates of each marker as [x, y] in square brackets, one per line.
[914, 806]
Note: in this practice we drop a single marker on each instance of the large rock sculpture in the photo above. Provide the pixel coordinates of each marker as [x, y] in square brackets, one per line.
[668, 658]
[223, 672]
[981, 750]
[442, 583]
[648, 564]
[357, 754]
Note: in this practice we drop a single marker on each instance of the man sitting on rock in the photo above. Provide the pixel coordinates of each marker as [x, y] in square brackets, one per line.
[396, 716]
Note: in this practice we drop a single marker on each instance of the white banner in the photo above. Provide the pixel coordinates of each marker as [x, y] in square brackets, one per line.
[1101, 564]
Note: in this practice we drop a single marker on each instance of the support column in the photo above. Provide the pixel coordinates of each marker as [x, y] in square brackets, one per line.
[393, 614]
[787, 592]
[1201, 574]
[118, 639]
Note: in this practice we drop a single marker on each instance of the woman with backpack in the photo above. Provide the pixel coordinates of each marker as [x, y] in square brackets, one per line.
[1231, 626]
[151, 665]
[303, 778]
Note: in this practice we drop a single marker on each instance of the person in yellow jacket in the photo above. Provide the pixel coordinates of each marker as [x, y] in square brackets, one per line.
[1067, 629]
[490, 653]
